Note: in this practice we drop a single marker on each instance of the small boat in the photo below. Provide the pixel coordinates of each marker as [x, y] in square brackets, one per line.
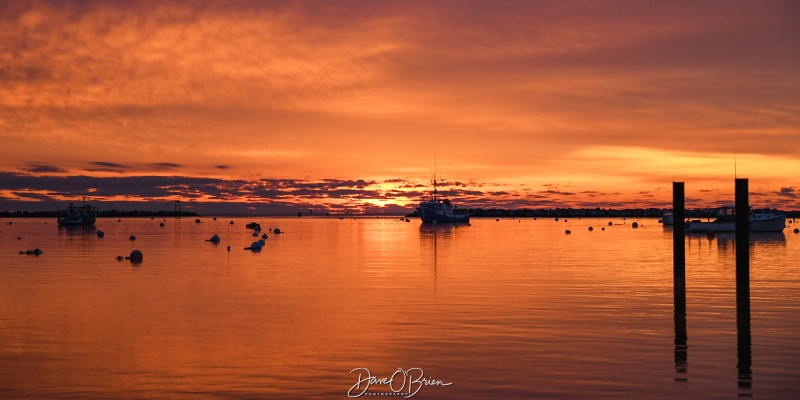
[726, 222]
[437, 209]
[668, 218]
[77, 215]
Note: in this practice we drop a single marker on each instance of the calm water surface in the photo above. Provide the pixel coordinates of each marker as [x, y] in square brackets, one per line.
[500, 309]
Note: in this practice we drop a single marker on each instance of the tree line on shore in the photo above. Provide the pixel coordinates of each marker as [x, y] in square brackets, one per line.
[100, 214]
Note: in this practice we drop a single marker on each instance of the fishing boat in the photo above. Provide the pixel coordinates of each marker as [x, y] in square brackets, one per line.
[726, 222]
[77, 215]
[438, 209]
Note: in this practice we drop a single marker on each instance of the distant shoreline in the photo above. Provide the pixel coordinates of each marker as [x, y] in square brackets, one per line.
[100, 214]
[601, 212]
[473, 212]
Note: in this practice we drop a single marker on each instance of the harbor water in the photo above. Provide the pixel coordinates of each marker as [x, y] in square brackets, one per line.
[503, 309]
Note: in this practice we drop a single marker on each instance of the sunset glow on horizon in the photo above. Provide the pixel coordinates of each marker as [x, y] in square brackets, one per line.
[354, 106]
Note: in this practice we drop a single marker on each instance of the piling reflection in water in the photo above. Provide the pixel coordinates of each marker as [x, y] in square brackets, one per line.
[681, 337]
[743, 344]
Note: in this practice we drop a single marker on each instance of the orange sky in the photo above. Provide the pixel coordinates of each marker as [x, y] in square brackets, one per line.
[346, 105]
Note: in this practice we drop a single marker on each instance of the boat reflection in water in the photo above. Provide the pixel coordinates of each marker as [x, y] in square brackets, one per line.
[434, 236]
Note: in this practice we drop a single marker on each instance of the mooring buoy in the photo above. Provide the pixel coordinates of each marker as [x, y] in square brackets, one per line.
[136, 256]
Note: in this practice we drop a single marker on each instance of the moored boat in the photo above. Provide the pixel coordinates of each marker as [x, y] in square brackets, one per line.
[726, 222]
[77, 215]
[668, 218]
[437, 209]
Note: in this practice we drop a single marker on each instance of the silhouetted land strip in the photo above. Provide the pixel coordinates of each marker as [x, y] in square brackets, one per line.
[597, 212]
[473, 212]
[100, 214]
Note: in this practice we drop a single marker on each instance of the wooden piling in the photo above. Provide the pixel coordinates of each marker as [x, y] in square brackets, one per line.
[743, 287]
[742, 239]
[679, 280]
[678, 237]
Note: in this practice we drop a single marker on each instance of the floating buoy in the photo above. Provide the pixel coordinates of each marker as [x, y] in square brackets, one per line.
[255, 246]
[119, 220]
[498, 219]
[132, 237]
[161, 224]
[635, 225]
[556, 218]
[567, 231]
[277, 231]
[136, 256]
[231, 222]
[197, 221]
[565, 220]
[215, 218]
[610, 223]
[602, 229]
[214, 239]
[591, 229]
[796, 230]
[264, 236]
[255, 234]
[100, 234]
[120, 258]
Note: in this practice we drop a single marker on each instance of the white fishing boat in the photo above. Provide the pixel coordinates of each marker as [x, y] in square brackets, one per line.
[726, 222]
[77, 215]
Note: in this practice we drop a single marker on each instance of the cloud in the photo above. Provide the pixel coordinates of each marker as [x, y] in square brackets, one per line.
[165, 166]
[789, 192]
[41, 168]
[514, 92]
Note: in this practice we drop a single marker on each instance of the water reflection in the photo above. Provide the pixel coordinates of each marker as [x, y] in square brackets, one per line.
[681, 337]
[743, 338]
[76, 230]
[724, 239]
[432, 236]
[743, 344]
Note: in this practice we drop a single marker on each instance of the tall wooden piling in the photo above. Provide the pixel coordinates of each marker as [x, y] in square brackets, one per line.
[679, 280]
[742, 239]
[743, 287]
[678, 235]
